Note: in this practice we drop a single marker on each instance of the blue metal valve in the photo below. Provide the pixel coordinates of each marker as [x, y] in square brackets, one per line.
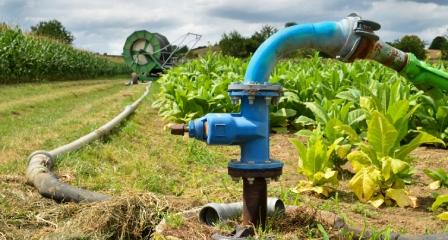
[249, 128]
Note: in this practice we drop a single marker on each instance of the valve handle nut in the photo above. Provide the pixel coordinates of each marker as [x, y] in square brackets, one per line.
[178, 129]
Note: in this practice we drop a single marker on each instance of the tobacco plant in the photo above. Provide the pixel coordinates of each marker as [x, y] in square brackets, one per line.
[381, 165]
[439, 177]
[315, 163]
[441, 201]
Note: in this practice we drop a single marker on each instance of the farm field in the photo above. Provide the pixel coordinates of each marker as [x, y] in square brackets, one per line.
[172, 120]
[141, 164]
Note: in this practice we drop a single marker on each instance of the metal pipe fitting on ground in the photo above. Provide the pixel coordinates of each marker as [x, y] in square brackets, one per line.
[38, 172]
[213, 213]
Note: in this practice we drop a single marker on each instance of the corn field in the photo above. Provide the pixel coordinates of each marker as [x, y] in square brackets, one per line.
[26, 58]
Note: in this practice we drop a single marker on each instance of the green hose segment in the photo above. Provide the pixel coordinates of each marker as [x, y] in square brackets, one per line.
[423, 75]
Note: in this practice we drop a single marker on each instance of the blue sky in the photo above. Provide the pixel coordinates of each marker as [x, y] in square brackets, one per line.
[103, 25]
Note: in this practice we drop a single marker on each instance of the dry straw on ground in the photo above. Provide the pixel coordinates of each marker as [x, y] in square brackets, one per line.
[124, 217]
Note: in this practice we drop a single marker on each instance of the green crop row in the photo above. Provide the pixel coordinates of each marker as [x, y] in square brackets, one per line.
[316, 90]
[361, 114]
[26, 58]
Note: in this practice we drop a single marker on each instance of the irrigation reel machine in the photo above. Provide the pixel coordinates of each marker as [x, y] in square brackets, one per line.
[149, 54]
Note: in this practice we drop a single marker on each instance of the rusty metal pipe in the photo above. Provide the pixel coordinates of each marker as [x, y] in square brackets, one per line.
[255, 197]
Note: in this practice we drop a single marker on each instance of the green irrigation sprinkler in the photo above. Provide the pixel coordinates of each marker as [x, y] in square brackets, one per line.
[149, 54]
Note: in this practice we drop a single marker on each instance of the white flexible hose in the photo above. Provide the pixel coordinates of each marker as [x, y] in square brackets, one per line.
[38, 172]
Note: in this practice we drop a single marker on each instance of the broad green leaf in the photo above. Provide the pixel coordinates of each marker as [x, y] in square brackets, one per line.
[443, 216]
[439, 175]
[284, 112]
[356, 116]
[381, 134]
[402, 125]
[347, 130]
[282, 130]
[318, 111]
[365, 183]
[330, 132]
[441, 199]
[359, 160]
[304, 133]
[421, 138]
[442, 113]
[301, 149]
[304, 121]
[398, 110]
[400, 196]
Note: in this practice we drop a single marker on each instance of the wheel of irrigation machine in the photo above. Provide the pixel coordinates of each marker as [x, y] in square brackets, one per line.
[146, 53]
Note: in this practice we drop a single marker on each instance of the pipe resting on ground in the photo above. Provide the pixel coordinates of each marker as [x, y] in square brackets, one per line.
[38, 172]
[213, 213]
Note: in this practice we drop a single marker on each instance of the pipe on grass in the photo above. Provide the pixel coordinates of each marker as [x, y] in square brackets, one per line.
[213, 213]
[38, 172]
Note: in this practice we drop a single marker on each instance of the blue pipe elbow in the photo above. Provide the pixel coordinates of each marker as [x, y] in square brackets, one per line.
[334, 38]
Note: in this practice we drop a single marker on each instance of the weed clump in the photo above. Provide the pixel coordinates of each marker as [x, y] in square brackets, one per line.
[125, 217]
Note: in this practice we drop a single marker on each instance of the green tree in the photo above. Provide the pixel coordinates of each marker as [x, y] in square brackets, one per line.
[234, 44]
[290, 24]
[259, 37]
[413, 44]
[53, 29]
[265, 32]
[438, 42]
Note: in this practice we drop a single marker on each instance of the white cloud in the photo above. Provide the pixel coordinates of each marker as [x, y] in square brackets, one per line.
[102, 26]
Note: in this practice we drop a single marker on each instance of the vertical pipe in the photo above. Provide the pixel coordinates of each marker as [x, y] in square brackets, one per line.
[254, 202]
[257, 150]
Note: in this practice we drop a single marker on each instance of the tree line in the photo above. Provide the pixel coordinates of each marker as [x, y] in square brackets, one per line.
[236, 45]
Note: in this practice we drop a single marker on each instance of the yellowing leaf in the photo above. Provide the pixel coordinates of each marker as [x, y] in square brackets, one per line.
[343, 150]
[358, 160]
[329, 176]
[400, 196]
[365, 102]
[386, 168]
[365, 183]
[307, 186]
[413, 201]
[377, 201]
[443, 216]
[434, 185]
[398, 165]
